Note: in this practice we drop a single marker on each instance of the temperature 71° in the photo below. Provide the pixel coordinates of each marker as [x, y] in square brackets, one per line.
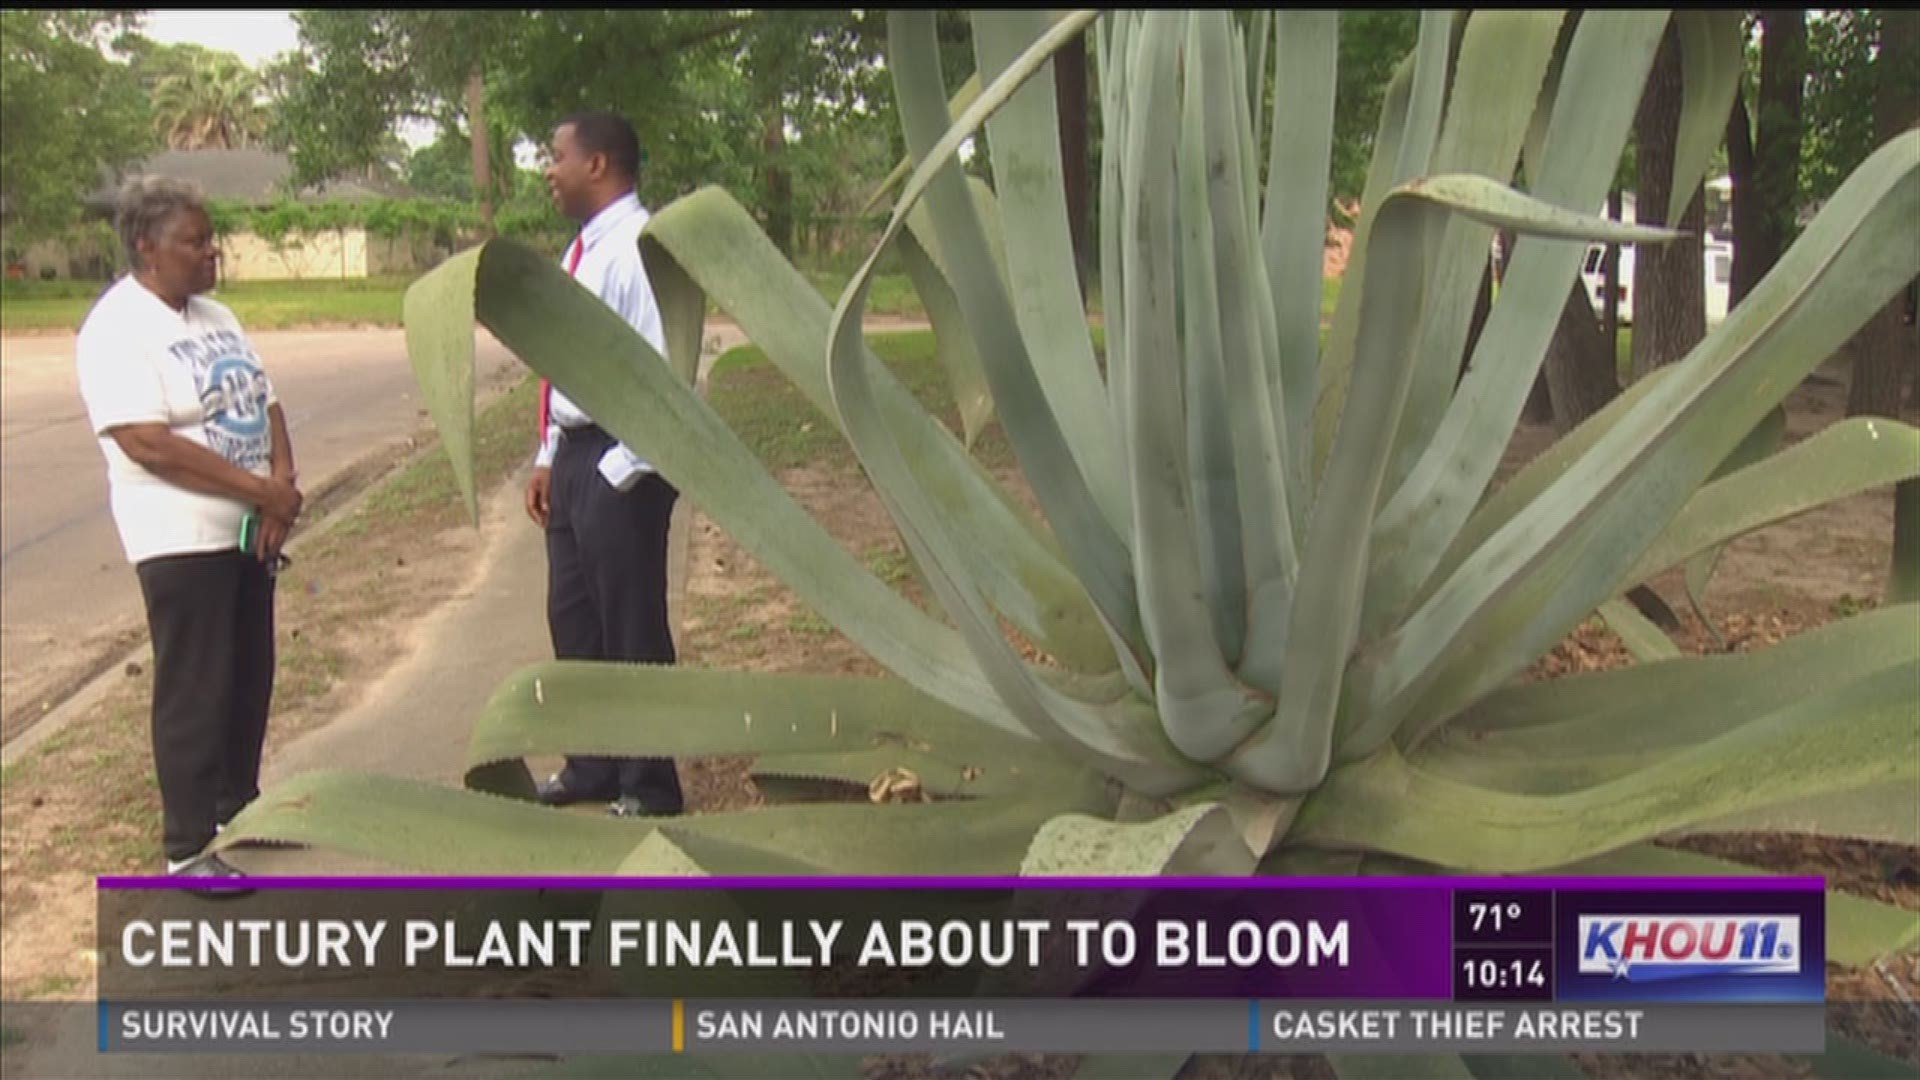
[1497, 914]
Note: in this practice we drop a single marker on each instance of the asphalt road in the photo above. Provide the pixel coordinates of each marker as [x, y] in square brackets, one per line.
[68, 599]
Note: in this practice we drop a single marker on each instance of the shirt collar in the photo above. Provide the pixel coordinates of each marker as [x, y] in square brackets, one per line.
[610, 215]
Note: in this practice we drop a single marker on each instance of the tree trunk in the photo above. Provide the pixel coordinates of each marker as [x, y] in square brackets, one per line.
[779, 185]
[1887, 349]
[1774, 162]
[1070, 94]
[1579, 365]
[477, 136]
[1669, 281]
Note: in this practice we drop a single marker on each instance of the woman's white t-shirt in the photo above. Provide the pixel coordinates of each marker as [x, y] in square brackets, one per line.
[141, 362]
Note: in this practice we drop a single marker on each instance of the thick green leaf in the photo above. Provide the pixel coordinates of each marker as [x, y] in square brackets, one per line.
[1569, 732]
[1712, 62]
[1336, 357]
[575, 707]
[1849, 1060]
[1760, 443]
[1291, 753]
[439, 830]
[1025, 136]
[1114, 734]
[1528, 1067]
[1889, 814]
[717, 243]
[1570, 551]
[1293, 225]
[1859, 930]
[955, 349]
[962, 98]
[1197, 840]
[1096, 551]
[1425, 108]
[1383, 803]
[1638, 633]
[1847, 457]
[438, 314]
[1606, 65]
[1502, 63]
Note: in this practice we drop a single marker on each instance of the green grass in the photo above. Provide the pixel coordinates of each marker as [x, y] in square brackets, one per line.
[260, 305]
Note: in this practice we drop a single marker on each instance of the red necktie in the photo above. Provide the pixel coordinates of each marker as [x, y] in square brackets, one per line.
[546, 387]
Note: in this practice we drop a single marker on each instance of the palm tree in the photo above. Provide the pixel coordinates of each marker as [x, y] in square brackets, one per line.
[212, 104]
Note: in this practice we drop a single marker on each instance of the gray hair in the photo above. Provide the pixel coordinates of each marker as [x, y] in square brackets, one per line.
[145, 205]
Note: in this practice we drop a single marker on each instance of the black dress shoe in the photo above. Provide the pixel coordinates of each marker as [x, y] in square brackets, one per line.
[553, 791]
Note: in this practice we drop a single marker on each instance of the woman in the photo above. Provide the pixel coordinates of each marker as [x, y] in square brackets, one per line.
[197, 456]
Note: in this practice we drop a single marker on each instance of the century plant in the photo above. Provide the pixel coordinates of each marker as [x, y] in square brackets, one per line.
[1281, 623]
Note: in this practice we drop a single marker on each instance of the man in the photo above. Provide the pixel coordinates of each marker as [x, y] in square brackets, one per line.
[604, 509]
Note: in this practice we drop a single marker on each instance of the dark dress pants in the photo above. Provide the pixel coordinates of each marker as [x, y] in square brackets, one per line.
[607, 596]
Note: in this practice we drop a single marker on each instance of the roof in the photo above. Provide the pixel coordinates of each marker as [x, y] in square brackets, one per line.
[253, 175]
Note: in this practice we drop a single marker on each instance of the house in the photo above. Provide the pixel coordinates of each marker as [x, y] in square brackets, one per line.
[256, 177]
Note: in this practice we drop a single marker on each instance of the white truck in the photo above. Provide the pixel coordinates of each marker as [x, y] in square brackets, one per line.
[1716, 263]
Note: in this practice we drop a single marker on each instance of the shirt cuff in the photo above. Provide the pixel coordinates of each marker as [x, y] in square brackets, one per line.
[543, 457]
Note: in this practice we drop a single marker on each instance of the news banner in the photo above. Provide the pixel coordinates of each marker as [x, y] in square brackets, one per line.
[710, 966]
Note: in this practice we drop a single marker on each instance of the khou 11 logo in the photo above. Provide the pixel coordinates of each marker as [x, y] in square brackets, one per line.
[1649, 948]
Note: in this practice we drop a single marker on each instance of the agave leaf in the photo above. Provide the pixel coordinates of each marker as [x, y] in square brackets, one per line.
[1211, 534]
[1399, 1067]
[959, 356]
[1847, 457]
[1203, 708]
[1115, 35]
[439, 830]
[1607, 62]
[1051, 463]
[1110, 734]
[1557, 560]
[565, 333]
[1642, 638]
[1383, 803]
[962, 98]
[1293, 228]
[1582, 729]
[1503, 61]
[577, 707]
[718, 244]
[1889, 814]
[1291, 754]
[1027, 173]
[1858, 929]
[1757, 446]
[693, 1067]
[1432, 53]
[1712, 61]
[1336, 357]
[1196, 840]
[941, 773]
[437, 312]
[1903, 577]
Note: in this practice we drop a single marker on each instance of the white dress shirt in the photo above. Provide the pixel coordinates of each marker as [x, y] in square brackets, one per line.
[611, 269]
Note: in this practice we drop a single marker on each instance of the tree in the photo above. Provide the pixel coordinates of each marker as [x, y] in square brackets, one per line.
[358, 73]
[1371, 43]
[71, 115]
[1885, 350]
[1669, 287]
[213, 104]
[1764, 151]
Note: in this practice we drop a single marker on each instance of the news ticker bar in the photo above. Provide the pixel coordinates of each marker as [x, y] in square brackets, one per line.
[584, 1028]
[1568, 941]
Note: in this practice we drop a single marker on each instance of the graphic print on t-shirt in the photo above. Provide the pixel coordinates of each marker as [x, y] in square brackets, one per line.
[233, 396]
